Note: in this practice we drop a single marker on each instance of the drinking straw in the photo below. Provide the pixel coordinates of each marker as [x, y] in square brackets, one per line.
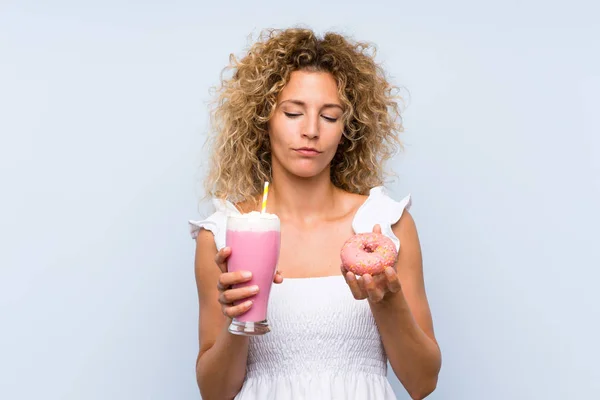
[265, 193]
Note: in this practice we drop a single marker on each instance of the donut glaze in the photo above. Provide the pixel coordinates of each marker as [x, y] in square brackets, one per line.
[368, 253]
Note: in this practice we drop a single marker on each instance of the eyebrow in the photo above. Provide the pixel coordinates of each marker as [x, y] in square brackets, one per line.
[301, 103]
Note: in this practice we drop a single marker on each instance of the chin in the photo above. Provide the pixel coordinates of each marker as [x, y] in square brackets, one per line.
[304, 169]
[306, 173]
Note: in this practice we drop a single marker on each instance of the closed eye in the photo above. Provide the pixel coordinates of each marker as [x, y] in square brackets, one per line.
[292, 115]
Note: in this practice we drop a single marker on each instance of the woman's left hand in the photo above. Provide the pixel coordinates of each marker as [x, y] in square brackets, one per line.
[375, 288]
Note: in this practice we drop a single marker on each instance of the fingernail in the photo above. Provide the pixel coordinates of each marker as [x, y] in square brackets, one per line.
[389, 272]
[246, 274]
[248, 303]
[367, 278]
[254, 289]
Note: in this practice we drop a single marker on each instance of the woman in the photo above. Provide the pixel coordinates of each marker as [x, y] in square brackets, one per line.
[316, 118]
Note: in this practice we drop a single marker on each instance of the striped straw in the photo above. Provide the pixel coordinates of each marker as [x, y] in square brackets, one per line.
[265, 193]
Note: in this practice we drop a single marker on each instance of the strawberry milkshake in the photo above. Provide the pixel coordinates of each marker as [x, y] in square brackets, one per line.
[254, 239]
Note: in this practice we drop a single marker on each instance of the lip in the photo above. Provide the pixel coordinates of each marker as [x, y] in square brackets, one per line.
[307, 151]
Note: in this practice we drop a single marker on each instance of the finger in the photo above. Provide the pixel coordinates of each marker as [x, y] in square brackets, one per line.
[375, 294]
[230, 296]
[393, 283]
[236, 311]
[354, 286]
[377, 228]
[360, 280]
[278, 277]
[221, 258]
[232, 278]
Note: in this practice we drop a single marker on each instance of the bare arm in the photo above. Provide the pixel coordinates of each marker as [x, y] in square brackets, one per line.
[221, 363]
[404, 318]
[399, 305]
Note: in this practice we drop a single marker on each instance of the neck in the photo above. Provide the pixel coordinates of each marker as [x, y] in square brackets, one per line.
[291, 197]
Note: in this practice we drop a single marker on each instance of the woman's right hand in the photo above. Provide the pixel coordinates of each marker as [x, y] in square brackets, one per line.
[228, 296]
[234, 302]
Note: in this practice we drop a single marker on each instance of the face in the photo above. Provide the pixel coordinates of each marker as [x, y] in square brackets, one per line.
[306, 127]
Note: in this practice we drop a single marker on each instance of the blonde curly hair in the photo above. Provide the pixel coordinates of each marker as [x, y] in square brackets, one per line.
[241, 158]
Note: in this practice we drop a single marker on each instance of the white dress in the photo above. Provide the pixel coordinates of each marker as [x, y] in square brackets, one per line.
[325, 345]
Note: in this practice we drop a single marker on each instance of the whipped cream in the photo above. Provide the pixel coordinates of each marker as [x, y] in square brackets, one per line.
[253, 221]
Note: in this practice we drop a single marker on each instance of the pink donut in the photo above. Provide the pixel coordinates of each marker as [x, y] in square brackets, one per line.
[368, 253]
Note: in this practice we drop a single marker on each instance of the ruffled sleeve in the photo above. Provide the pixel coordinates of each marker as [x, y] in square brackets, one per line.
[215, 222]
[380, 208]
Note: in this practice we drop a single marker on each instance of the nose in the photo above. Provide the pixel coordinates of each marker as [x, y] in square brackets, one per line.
[310, 130]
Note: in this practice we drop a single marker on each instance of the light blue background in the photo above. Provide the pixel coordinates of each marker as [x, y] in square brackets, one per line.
[102, 117]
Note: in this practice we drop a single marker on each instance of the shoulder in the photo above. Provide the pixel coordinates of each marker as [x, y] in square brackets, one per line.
[347, 203]
[205, 240]
[204, 258]
[354, 201]
[405, 229]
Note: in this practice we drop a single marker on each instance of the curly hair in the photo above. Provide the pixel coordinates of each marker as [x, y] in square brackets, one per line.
[241, 157]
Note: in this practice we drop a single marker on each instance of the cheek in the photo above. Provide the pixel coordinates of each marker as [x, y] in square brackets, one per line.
[276, 141]
[278, 144]
[273, 130]
[335, 137]
[281, 134]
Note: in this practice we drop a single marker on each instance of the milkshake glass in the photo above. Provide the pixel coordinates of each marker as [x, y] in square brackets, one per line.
[254, 239]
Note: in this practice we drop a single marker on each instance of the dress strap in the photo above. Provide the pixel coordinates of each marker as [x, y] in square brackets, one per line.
[380, 208]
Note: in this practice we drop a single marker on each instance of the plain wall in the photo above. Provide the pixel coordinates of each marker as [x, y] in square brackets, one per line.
[102, 119]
